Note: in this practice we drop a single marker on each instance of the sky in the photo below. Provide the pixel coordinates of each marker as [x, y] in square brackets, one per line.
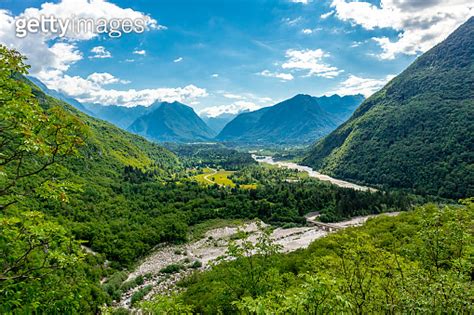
[227, 56]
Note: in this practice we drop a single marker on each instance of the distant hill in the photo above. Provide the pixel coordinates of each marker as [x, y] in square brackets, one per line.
[120, 116]
[418, 131]
[218, 123]
[172, 122]
[298, 120]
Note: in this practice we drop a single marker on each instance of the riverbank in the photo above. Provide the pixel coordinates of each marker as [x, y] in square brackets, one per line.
[213, 245]
[311, 173]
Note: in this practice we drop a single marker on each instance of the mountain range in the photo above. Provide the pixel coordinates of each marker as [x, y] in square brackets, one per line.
[298, 120]
[120, 116]
[417, 132]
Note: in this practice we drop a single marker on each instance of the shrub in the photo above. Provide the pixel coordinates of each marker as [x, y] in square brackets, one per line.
[140, 294]
[173, 268]
[196, 264]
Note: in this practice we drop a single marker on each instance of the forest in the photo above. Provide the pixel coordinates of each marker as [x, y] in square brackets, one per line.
[213, 155]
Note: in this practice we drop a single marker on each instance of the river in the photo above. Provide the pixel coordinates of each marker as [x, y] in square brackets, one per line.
[311, 173]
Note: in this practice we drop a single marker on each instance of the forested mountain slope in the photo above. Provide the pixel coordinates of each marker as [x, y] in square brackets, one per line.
[110, 146]
[417, 132]
[341, 107]
[389, 265]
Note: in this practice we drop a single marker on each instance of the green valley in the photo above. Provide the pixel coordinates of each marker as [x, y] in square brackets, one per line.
[257, 197]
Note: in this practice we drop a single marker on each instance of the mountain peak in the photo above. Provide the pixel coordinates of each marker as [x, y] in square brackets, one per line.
[300, 97]
[173, 122]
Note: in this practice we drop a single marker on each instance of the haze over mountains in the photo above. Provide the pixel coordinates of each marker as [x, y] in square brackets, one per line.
[218, 123]
[120, 116]
[60, 96]
[417, 132]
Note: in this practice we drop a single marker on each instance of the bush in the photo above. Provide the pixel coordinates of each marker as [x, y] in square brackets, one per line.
[114, 284]
[173, 268]
[126, 286]
[196, 264]
[120, 311]
[140, 294]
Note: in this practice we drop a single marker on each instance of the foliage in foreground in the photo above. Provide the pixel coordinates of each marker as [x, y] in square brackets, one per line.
[420, 261]
[35, 252]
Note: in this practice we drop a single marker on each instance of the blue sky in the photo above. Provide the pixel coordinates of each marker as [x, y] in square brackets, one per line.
[237, 54]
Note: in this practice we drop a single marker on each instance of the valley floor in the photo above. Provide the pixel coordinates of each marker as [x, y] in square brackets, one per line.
[311, 173]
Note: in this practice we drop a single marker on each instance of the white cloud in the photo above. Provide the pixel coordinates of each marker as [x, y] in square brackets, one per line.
[234, 108]
[281, 76]
[312, 61]
[139, 52]
[358, 85]
[215, 75]
[300, 1]
[41, 56]
[37, 46]
[421, 24]
[307, 31]
[233, 96]
[178, 59]
[51, 58]
[326, 15]
[91, 90]
[129, 60]
[100, 52]
[241, 102]
[87, 9]
[65, 55]
[104, 78]
[292, 22]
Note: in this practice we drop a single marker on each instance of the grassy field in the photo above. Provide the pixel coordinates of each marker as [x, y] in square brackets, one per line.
[211, 177]
[219, 177]
[249, 186]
